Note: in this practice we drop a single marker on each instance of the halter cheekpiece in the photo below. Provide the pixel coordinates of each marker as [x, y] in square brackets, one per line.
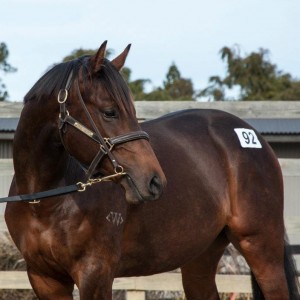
[106, 144]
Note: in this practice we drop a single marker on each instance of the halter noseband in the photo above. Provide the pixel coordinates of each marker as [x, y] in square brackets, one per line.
[106, 144]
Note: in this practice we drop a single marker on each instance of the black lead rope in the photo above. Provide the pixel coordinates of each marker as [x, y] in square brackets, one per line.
[33, 198]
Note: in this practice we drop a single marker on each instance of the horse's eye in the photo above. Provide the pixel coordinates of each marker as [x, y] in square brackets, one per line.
[109, 114]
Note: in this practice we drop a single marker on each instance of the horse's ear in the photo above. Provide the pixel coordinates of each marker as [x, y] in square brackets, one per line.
[119, 61]
[97, 59]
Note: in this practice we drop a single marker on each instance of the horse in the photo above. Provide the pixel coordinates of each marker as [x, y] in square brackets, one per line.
[214, 180]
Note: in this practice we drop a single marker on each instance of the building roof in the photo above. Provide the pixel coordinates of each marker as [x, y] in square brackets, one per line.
[276, 126]
[264, 126]
[8, 124]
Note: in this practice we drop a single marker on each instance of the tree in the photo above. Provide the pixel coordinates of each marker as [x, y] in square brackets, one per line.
[174, 87]
[81, 52]
[137, 87]
[255, 77]
[177, 87]
[5, 67]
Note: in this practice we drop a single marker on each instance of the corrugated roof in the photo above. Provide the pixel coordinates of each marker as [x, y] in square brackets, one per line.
[276, 126]
[8, 124]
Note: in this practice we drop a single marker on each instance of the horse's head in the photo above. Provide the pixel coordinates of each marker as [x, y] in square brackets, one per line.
[104, 133]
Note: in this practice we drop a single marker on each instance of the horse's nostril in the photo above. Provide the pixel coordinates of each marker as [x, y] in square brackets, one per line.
[155, 186]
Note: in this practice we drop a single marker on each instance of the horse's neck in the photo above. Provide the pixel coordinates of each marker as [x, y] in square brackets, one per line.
[39, 158]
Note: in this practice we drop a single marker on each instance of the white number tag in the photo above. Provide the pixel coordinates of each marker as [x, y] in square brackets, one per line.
[247, 138]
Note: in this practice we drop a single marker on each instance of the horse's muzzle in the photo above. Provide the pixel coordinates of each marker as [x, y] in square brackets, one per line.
[134, 194]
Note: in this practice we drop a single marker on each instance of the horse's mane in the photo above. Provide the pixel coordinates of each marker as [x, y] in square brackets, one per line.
[55, 79]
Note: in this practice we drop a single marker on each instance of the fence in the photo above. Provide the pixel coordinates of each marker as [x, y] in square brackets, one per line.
[153, 109]
[137, 286]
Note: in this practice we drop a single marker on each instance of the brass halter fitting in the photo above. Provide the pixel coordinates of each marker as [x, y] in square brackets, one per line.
[119, 171]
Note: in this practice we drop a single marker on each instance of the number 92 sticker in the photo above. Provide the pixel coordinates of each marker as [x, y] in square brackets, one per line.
[247, 138]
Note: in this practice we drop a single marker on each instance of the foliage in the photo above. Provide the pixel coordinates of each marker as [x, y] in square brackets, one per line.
[174, 87]
[177, 87]
[82, 52]
[252, 75]
[255, 77]
[5, 67]
[137, 87]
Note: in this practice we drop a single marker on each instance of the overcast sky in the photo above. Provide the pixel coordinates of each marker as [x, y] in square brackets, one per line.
[190, 33]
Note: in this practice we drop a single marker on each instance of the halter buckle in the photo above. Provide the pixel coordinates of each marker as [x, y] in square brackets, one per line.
[108, 143]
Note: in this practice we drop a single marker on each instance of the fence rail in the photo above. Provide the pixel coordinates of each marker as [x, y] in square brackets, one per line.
[244, 109]
[136, 287]
[152, 109]
[159, 282]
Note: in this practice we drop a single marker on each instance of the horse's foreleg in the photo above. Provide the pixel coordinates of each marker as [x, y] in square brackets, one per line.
[96, 288]
[47, 288]
[95, 279]
[198, 276]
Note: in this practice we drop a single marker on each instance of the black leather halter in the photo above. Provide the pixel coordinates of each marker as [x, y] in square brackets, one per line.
[106, 144]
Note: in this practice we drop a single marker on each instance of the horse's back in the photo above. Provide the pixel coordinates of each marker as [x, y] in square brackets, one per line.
[208, 130]
[225, 144]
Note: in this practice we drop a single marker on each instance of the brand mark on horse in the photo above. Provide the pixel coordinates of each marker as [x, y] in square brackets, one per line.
[115, 218]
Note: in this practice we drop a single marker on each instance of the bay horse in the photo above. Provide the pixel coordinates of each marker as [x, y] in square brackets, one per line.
[224, 184]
